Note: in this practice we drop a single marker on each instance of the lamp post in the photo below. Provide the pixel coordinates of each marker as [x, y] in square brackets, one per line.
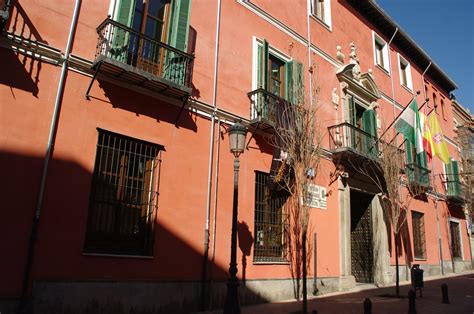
[237, 137]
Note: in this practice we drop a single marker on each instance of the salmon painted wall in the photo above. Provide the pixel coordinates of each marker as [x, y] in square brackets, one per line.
[25, 112]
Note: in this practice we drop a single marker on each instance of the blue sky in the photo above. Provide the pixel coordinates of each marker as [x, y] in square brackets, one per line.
[445, 30]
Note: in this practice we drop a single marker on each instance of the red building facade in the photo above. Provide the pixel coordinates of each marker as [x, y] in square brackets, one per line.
[114, 141]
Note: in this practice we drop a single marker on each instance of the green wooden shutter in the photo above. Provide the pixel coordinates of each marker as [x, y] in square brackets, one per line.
[120, 38]
[263, 66]
[454, 183]
[411, 169]
[175, 64]
[352, 120]
[294, 82]
[369, 125]
[179, 24]
[125, 12]
[352, 111]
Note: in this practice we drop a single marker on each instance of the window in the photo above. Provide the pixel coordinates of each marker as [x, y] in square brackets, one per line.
[435, 103]
[161, 20]
[275, 78]
[321, 10]
[455, 234]
[419, 241]
[364, 124]
[442, 109]
[271, 222]
[405, 72]
[380, 53]
[123, 197]
[453, 184]
[142, 32]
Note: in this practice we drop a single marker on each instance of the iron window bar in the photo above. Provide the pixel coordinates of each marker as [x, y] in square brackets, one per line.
[124, 193]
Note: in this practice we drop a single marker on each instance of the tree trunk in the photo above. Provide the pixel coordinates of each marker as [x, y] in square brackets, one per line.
[397, 275]
[305, 294]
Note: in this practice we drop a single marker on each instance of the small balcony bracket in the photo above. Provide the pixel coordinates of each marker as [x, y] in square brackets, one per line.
[92, 81]
[185, 101]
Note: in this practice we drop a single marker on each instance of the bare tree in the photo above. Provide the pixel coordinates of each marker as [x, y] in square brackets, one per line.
[397, 185]
[297, 138]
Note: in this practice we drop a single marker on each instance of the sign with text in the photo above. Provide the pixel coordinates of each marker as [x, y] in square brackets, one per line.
[316, 196]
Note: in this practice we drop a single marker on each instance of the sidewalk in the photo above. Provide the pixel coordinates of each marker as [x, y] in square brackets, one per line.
[460, 287]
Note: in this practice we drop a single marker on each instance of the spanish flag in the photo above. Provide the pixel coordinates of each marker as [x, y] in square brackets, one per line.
[427, 140]
[438, 144]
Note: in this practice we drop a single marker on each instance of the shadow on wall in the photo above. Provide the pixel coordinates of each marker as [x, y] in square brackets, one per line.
[71, 282]
[145, 105]
[27, 70]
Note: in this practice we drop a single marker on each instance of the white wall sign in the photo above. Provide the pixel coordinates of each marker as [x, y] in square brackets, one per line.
[316, 197]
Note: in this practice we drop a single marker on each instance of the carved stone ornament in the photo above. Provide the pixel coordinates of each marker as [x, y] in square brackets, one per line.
[335, 97]
[339, 55]
[354, 60]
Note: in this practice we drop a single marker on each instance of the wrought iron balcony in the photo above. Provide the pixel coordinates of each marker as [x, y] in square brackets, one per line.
[348, 142]
[264, 107]
[132, 56]
[418, 175]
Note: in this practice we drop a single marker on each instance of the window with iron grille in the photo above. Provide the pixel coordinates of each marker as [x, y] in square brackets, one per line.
[419, 241]
[271, 223]
[455, 239]
[123, 199]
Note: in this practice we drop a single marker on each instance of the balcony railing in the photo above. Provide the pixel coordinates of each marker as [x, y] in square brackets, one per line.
[455, 190]
[135, 52]
[347, 137]
[418, 175]
[264, 107]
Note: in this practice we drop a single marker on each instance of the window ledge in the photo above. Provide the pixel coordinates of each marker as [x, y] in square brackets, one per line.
[381, 68]
[407, 88]
[317, 19]
[117, 255]
[420, 259]
[271, 263]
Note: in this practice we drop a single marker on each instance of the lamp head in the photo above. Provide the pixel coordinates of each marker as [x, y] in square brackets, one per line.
[237, 138]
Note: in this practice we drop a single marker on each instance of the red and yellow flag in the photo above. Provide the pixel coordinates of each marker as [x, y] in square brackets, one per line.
[427, 140]
[439, 146]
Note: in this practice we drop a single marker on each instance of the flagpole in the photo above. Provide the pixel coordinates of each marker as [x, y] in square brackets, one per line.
[396, 119]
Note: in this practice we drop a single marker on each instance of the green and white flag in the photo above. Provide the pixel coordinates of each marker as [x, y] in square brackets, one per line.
[409, 125]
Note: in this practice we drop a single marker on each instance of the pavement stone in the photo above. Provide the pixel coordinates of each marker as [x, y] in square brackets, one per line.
[460, 288]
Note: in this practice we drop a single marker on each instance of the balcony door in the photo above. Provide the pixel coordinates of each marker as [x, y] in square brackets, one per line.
[150, 18]
[363, 131]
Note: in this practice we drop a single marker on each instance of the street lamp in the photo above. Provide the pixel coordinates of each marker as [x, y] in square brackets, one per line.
[237, 138]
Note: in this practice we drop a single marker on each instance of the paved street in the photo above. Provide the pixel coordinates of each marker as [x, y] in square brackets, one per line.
[460, 287]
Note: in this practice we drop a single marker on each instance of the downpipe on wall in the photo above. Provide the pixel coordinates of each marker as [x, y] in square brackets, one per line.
[49, 150]
[205, 262]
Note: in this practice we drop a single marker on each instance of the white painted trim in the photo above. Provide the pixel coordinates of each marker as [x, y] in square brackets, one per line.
[287, 30]
[326, 20]
[112, 9]
[402, 60]
[257, 42]
[385, 56]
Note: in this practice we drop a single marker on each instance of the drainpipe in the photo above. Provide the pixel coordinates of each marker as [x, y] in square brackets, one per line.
[391, 74]
[308, 7]
[394, 113]
[310, 74]
[204, 278]
[440, 249]
[49, 150]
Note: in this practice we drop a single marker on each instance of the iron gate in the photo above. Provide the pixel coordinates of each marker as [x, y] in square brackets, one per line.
[361, 239]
